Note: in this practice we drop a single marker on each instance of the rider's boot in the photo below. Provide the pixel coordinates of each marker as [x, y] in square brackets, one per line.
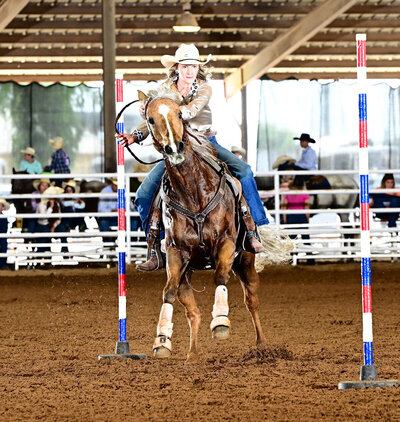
[252, 242]
[154, 257]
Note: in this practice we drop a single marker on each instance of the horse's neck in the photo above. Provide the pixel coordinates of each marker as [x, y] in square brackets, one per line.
[193, 182]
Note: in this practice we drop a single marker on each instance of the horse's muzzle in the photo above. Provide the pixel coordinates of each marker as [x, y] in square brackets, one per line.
[180, 147]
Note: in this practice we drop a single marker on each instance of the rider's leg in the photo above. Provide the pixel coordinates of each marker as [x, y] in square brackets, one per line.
[155, 260]
[146, 191]
[251, 244]
[242, 171]
[144, 198]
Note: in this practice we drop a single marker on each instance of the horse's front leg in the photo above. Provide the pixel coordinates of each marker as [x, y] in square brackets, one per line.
[162, 346]
[220, 323]
[186, 297]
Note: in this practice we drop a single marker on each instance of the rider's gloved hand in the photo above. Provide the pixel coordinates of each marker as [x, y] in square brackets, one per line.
[126, 139]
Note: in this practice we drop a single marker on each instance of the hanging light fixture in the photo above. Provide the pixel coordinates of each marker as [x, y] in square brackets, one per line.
[186, 22]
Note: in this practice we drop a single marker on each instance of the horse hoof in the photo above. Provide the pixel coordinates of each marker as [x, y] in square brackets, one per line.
[162, 352]
[221, 332]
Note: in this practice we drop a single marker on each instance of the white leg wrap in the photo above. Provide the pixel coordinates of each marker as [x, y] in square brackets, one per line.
[221, 306]
[164, 327]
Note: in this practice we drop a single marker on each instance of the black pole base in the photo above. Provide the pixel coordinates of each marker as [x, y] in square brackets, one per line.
[368, 378]
[122, 352]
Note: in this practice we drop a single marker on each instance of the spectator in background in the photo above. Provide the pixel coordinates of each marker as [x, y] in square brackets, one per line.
[45, 224]
[308, 160]
[29, 162]
[4, 206]
[239, 152]
[108, 205]
[387, 200]
[40, 185]
[297, 202]
[60, 161]
[72, 205]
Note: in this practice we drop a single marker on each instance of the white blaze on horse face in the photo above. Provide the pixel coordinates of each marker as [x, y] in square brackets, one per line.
[175, 158]
[163, 109]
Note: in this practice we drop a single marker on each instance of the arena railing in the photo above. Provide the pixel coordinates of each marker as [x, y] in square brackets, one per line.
[331, 239]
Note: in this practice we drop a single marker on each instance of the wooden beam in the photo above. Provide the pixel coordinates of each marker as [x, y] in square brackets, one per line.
[9, 9]
[285, 44]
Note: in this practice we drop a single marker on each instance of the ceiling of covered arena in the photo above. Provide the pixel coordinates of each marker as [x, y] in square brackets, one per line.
[61, 40]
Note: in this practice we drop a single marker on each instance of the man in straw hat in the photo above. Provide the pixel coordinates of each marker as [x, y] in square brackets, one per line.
[29, 162]
[4, 206]
[238, 151]
[60, 161]
[189, 78]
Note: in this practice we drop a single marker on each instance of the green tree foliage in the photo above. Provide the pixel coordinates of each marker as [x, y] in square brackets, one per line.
[38, 113]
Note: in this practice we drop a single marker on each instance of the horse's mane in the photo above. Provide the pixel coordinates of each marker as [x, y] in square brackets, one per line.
[164, 91]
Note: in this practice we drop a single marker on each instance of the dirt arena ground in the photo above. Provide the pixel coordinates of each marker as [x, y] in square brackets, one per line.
[55, 323]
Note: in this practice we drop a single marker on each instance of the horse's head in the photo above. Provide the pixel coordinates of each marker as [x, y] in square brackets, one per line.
[165, 124]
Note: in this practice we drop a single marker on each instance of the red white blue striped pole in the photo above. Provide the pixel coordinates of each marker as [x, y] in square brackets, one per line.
[364, 201]
[368, 373]
[122, 346]
[121, 240]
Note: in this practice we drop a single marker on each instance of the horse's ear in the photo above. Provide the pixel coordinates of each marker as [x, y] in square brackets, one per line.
[14, 172]
[142, 96]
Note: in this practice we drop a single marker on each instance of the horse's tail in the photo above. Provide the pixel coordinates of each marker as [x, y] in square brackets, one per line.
[277, 246]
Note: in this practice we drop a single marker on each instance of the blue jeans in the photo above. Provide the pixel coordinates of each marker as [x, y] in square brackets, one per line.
[237, 167]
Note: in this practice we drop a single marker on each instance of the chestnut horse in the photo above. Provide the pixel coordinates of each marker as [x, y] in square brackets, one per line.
[199, 219]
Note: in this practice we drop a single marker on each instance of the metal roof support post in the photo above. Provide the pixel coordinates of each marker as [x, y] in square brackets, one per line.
[108, 14]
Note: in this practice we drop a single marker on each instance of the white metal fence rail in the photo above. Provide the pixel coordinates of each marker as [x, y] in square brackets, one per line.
[330, 238]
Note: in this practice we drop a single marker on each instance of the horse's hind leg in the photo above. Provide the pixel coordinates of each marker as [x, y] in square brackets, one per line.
[250, 283]
[186, 297]
[162, 346]
[220, 323]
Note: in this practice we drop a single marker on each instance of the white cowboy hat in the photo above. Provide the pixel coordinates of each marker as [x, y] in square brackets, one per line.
[5, 203]
[52, 190]
[57, 143]
[37, 182]
[71, 183]
[29, 150]
[185, 54]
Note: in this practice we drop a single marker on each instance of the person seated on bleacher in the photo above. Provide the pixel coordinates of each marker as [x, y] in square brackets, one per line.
[108, 205]
[45, 224]
[29, 162]
[387, 200]
[40, 185]
[72, 205]
[4, 206]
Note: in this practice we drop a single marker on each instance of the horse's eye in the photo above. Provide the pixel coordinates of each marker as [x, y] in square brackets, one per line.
[180, 115]
[151, 121]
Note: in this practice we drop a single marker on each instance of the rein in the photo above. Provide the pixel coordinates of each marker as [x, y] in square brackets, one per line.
[119, 133]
